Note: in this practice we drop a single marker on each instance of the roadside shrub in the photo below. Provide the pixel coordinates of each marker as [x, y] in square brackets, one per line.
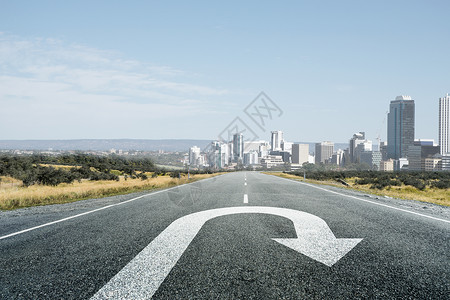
[441, 184]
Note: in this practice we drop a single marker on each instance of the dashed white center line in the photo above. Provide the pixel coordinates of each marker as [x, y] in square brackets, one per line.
[245, 183]
[245, 198]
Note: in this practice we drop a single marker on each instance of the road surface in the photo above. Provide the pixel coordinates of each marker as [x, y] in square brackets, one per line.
[235, 236]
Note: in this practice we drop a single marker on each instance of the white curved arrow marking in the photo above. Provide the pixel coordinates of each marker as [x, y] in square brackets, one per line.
[143, 275]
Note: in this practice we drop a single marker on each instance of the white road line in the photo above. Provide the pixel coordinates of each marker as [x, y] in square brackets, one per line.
[245, 183]
[143, 275]
[365, 200]
[92, 211]
[245, 198]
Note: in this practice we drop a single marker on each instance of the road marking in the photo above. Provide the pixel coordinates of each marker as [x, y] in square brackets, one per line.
[245, 183]
[143, 275]
[92, 211]
[365, 200]
[245, 198]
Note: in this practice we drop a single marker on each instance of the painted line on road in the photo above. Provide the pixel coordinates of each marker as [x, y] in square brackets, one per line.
[245, 183]
[95, 210]
[143, 275]
[365, 200]
[245, 198]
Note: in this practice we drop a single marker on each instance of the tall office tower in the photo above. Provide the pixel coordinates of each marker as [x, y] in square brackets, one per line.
[238, 147]
[444, 124]
[324, 151]
[276, 139]
[300, 153]
[354, 141]
[400, 130]
[194, 154]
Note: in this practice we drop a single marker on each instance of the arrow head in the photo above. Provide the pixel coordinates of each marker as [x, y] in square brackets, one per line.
[325, 251]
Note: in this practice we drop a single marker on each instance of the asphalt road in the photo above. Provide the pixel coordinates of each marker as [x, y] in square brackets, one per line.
[404, 251]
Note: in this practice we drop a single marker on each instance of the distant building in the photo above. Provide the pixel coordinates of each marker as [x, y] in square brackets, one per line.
[354, 142]
[421, 150]
[264, 150]
[372, 159]
[400, 129]
[401, 164]
[363, 146]
[337, 157]
[286, 146]
[272, 161]
[218, 155]
[387, 165]
[444, 124]
[253, 145]
[433, 164]
[286, 156]
[251, 158]
[238, 147]
[324, 151]
[445, 164]
[383, 150]
[276, 140]
[194, 154]
[300, 153]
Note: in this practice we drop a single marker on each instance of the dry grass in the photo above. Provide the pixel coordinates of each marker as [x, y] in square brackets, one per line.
[430, 195]
[13, 195]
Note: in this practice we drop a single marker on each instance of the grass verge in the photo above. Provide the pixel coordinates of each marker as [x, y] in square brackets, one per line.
[13, 195]
[430, 195]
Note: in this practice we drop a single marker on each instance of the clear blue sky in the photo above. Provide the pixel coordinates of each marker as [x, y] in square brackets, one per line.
[186, 69]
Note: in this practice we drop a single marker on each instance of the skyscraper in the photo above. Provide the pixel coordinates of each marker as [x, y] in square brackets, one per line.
[354, 142]
[444, 124]
[400, 130]
[238, 147]
[300, 153]
[194, 154]
[324, 151]
[276, 139]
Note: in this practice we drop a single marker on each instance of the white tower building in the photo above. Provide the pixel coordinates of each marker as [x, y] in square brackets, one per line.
[276, 139]
[444, 124]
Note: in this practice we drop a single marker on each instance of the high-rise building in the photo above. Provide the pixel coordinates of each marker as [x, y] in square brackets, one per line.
[194, 154]
[324, 151]
[286, 146]
[275, 140]
[444, 124]
[337, 157]
[251, 158]
[400, 129]
[238, 147]
[365, 145]
[354, 141]
[300, 153]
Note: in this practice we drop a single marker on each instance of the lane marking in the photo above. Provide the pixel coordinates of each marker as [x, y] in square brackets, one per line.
[365, 200]
[143, 275]
[245, 183]
[245, 198]
[98, 209]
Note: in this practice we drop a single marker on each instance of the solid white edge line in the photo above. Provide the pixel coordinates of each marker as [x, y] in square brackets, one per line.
[97, 209]
[365, 200]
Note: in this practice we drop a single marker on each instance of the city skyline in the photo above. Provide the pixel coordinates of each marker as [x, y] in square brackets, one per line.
[185, 70]
[400, 152]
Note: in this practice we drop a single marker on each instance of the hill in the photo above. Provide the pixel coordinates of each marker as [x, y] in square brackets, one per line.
[103, 144]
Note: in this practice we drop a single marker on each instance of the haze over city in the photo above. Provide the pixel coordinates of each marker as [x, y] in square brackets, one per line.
[154, 70]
